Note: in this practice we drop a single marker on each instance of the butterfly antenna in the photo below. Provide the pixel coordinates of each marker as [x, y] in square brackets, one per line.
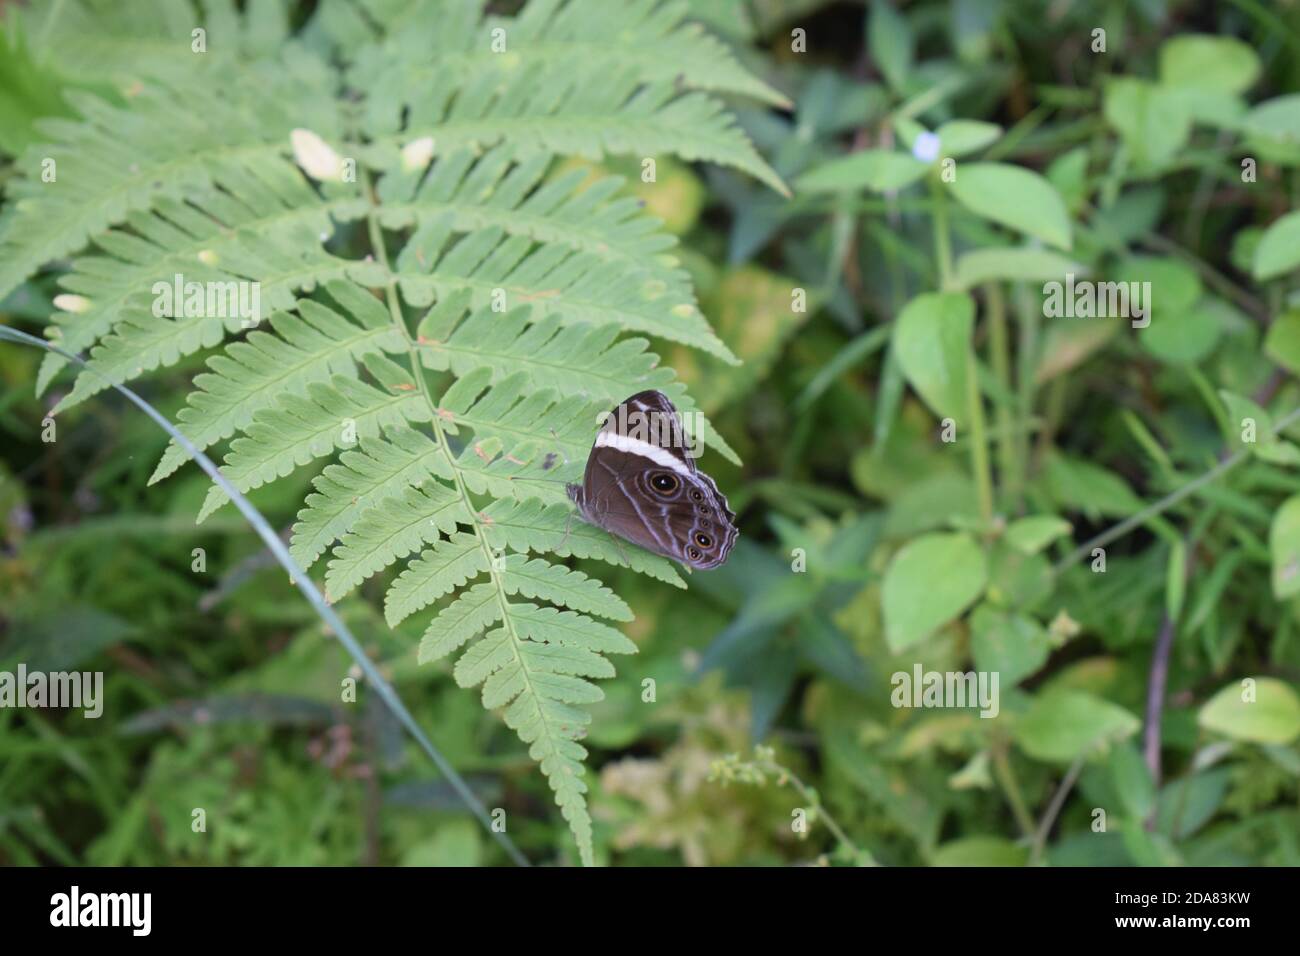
[554, 481]
[548, 464]
[568, 526]
[557, 441]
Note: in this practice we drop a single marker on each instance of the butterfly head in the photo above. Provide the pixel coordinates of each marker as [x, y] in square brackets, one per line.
[576, 495]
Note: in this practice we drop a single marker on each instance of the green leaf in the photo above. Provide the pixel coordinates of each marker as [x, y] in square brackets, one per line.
[437, 571]
[1265, 711]
[1202, 62]
[930, 503]
[1028, 265]
[1089, 488]
[1284, 546]
[31, 89]
[961, 137]
[1069, 174]
[1274, 128]
[1175, 286]
[1182, 338]
[1012, 645]
[1063, 725]
[980, 851]
[1152, 120]
[1245, 417]
[929, 583]
[1282, 343]
[1278, 452]
[1188, 803]
[392, 529]
[932, 340]
[1016, 580]
[1278, 251]
[1066, 346]
[1132, 781]
[877, 170]
[890, 42]
[1148, 849]
[1031, 535]
[1014, 197]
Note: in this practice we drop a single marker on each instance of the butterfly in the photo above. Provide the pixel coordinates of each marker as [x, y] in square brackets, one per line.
[641, 484]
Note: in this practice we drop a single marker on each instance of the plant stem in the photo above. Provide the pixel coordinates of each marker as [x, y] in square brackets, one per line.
[1156, 682]
[1054, 810]
[942, 240]
[811, 797]
[1012, 475]
[1165, 503]
[1026, 368]
[1006, 775]
[979, 442]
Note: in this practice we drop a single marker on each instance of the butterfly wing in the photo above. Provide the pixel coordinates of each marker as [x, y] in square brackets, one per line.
[641, 483]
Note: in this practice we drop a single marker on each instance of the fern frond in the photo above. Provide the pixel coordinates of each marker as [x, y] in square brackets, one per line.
[165, 143]
[392, 529]
[212, 229]
[143, 38]
[575, 286]
[515, 194]
[300, 429]
[542, 528]
[571, 360]
[312, 346]
[460, 622]
[438, 571]
[535, 666]
[650, 35]
[380, 469]
[540, 579]
[590, 102]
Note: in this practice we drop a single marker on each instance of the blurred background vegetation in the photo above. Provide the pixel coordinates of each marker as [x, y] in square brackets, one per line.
[222, 692]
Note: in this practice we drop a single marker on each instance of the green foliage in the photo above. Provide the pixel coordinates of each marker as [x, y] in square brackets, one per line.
[943, 471]
[436, 412]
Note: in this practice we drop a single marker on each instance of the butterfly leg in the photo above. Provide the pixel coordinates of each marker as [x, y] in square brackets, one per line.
[568, 526]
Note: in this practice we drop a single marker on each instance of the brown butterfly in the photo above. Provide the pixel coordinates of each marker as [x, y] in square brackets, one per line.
[641, 484]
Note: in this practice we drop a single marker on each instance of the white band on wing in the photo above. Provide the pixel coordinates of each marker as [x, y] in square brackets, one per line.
[635, 446]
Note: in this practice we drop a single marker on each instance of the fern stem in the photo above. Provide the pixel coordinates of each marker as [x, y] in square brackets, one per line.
[303, 582]
[417, 370]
